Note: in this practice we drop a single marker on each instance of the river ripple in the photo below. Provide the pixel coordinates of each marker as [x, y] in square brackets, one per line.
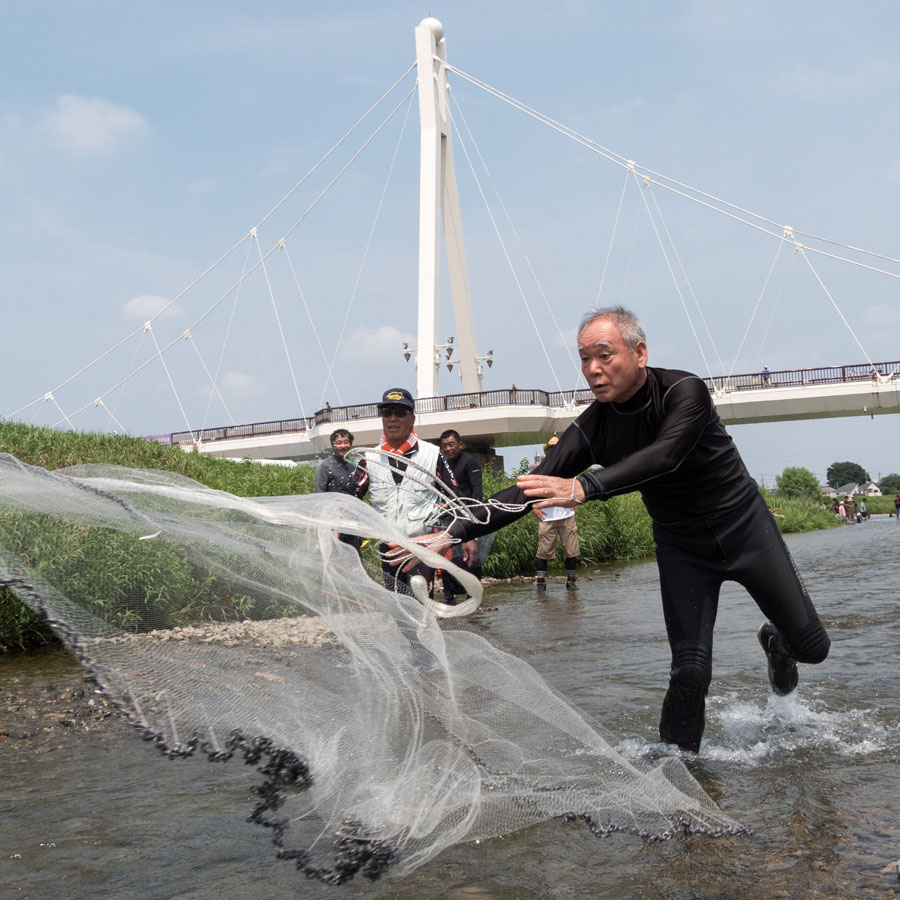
[90, 812]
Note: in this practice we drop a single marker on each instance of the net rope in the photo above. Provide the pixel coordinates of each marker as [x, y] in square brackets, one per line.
[240, 628]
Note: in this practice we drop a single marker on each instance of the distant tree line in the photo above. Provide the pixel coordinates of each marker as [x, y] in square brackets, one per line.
[800, 482]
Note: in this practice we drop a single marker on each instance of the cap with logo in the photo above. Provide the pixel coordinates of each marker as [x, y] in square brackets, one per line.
[397, 397]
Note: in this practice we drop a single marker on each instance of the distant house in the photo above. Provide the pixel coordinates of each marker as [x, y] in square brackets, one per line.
[867, 489]
[826, 490]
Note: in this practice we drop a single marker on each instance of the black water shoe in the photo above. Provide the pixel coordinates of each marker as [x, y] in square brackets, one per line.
[540, 582]
[782, 666]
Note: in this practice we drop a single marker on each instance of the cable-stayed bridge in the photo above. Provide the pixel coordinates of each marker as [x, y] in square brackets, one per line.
[204, 360]
[516, 416]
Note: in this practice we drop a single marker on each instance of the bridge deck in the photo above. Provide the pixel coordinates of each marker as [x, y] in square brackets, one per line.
[517, 416]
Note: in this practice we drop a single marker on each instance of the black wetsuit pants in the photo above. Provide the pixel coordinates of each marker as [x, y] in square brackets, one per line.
[694, 559]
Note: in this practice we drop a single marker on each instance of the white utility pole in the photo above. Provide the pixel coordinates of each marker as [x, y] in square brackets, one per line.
[439, 204]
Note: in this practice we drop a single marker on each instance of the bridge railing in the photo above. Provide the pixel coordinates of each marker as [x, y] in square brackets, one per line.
[514, 396]
[805, 377]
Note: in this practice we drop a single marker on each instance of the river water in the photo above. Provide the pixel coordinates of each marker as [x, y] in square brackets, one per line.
[95, 813]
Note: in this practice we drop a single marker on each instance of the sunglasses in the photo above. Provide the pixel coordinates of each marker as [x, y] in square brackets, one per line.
[396, 412]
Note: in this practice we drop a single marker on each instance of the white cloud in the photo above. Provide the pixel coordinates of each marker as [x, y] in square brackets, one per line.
[205, 185]
[240, 382]
[365, 344]
[146, 306]
[92, 125]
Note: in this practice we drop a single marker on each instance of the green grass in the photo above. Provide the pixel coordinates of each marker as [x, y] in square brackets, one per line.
[617, 529]
[800, 514]
[146, 574]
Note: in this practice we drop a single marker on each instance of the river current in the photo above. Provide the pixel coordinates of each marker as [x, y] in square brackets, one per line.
[816, 775]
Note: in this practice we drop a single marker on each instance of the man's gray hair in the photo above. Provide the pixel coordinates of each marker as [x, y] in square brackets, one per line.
[624, 319]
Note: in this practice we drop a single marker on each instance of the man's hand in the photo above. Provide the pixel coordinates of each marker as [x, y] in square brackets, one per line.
[470, 553]
[553, 491]
[439, 542]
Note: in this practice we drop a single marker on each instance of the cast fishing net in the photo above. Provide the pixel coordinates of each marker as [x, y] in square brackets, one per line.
[228, 628]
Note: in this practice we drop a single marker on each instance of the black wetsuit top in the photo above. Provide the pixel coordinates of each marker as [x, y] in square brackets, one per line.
[666, 441]
[710, 525]
[467, 472]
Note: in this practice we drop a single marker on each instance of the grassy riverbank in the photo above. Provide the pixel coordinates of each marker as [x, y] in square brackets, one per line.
[617, 529]
[620, 529]
[50, 449]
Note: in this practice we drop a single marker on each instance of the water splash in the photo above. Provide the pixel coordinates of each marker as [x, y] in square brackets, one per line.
[746, 732]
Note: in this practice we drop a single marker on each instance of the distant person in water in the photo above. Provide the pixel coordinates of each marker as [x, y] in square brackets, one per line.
[557, 526]
[656, 431]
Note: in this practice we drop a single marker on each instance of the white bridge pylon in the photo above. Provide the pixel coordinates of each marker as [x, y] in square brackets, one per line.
[439, 205]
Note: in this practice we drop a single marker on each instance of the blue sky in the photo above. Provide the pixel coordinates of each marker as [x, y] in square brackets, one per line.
[140, 143]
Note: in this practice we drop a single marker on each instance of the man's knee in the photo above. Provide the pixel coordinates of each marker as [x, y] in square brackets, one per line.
[811, 644]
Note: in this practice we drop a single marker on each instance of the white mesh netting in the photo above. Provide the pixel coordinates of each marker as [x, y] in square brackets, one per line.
[234, 627]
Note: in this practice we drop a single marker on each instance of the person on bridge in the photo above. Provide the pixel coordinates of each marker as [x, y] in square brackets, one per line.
[405, 493]
[656, 431]
[467, 472]
[337, 473]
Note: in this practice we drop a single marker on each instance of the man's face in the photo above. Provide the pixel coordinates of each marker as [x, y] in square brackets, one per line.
[613, 372]
[341, 445]
[397, 422]
[451, 447]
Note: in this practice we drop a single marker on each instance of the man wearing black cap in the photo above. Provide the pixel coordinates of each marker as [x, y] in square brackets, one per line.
[405, 493]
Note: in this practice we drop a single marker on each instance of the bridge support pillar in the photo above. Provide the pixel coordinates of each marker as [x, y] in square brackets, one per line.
[439, 204]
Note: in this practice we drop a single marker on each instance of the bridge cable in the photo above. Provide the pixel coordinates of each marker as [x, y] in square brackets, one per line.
[122, 392]
[225, 338]
[641, 180]
[695, 195]
[508, 259]
[148, 328]
[687, 281]
[306, 308]
[612, 237]
[49, 396]
[673, 185]
[623, 294]
[563, 343]
[215, 388]
[227, 293]
[99, 402]
[800, 250]
[784, 283]
[284, 344]
[362, 265]
[224, 256]
[759, 298]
